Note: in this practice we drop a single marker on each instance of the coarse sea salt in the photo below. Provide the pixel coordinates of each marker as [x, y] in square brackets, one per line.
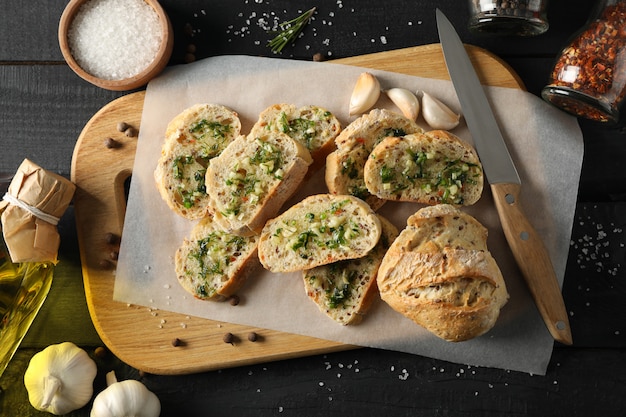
[115, 39]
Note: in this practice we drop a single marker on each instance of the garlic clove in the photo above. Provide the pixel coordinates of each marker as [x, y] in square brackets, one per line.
[365, 94]
[437, 114]
[406, 101]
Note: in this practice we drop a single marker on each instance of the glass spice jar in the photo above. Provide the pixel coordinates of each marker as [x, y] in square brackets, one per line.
[589, 77]
[508, 17]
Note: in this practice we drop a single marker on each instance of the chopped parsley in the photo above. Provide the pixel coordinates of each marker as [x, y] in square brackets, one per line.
[216, 251]
[269, 157]
[433, 173]
[212, 136]
[183, 169]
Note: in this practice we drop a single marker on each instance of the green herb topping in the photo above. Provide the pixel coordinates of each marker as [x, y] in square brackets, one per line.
[191, 175]
[289, 31]
[211, 136]
[244, 179]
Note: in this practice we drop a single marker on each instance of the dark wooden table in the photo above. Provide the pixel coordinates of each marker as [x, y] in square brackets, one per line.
[44, 106]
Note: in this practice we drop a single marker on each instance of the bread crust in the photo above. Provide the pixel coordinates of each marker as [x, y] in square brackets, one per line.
[319, 230]
[439, 273]
[430, 168]
[345, 290]
[211, 263]
[192, 138]
[251, 180]
[344, 166]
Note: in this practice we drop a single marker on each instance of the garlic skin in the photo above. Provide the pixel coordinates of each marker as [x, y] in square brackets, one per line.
[406, 101]
[365, 94]
[128, 398]
[437, 114]
[59, 379]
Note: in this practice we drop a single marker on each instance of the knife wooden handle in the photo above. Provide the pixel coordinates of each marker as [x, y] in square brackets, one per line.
[533, 260]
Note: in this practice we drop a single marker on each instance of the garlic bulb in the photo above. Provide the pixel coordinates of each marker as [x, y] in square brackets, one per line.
[406, 101]
[365, 94]
[128, 398]
[437, 114]
[59, 379]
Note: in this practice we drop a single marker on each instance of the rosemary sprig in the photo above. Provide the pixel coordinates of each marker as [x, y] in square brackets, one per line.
[289, 31]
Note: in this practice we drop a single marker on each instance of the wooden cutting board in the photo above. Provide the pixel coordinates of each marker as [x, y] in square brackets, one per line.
[143, 337]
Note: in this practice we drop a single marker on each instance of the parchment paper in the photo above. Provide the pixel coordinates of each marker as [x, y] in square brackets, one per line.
[545, 144]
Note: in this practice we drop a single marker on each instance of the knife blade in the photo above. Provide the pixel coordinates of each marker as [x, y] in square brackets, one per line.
[525, 243]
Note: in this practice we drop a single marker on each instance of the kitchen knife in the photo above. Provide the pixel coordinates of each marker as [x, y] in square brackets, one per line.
[526, 245]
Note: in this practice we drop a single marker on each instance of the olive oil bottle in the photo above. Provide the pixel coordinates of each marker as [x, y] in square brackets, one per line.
[23, 289]
[29, 243]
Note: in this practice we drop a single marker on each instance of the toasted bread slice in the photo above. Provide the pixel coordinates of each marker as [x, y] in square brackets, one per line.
[314, 127]
[430, 168]
[211, 263]
[319, 230]
[344, 166]
[345, 290]
[250, 181]
[192, 139]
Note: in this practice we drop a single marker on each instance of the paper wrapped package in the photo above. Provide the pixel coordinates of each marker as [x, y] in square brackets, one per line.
[31, 209]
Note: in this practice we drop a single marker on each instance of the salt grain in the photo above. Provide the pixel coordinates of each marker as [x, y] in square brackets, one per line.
[115, 39]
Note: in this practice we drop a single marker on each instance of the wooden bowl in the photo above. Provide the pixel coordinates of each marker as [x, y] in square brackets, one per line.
[154, 68]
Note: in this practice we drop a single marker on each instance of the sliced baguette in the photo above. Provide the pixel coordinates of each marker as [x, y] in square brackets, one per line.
[439, 273]
[430, 168]
[344, 166]
[314, 127]
[345, 290]
[249, 182]
[212, 263]
[192, 139]
[319, 230]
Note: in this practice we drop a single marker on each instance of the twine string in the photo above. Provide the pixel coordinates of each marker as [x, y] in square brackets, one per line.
[33, 210]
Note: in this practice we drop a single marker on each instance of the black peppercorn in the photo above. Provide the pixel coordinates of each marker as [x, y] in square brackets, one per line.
[111, 238]
[122, 126]
[253, 337]
[131, 132]
[111, 143]
[100, 352]
[229, 338]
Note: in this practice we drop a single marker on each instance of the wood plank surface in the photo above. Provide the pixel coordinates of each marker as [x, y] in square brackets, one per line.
[142, 337]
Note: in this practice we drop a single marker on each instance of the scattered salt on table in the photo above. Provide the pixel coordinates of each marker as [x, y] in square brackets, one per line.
[115, 39]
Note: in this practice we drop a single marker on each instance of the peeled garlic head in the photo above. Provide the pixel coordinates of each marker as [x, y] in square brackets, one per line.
[437, 114]
[406, 101]
[365, 94]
